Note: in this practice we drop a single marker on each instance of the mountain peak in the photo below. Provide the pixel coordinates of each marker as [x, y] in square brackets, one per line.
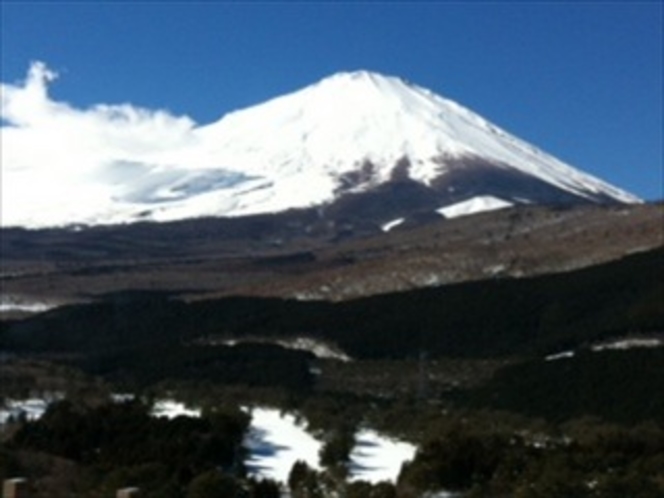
[364, 80]
[357, 76]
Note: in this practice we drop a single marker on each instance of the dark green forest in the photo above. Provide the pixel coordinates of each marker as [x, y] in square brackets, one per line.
[501, 317]
[81, 450]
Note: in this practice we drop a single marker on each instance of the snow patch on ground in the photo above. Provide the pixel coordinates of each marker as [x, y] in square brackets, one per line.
[275, 441]
[34, 408]
[316, 347]
[392, 224]
[475, 205]
[560, 356]
[122, 397]
[623, 344]
[377, 458]
[170, 409]
[9, 304]
[31, 409]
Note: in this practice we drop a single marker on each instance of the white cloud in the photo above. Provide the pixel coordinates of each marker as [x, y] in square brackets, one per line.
[25, 105]
[55, 155]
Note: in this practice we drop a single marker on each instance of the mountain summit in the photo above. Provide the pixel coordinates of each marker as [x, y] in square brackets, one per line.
[357, 141]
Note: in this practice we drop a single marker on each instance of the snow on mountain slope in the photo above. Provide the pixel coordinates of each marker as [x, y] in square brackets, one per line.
[474, 205]
[331, 128]
[348, 133]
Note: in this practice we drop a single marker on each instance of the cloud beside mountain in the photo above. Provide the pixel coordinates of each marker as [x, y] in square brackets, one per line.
[49, 148]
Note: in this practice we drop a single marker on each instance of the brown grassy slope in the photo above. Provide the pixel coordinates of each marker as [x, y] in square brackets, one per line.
[208, 259]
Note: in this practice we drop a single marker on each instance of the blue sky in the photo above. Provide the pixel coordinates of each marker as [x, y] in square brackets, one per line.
[582, 80]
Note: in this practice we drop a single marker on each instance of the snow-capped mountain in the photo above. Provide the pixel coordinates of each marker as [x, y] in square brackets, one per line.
[355, 142]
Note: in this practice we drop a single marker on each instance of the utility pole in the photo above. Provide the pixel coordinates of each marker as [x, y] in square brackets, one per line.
[422, 377]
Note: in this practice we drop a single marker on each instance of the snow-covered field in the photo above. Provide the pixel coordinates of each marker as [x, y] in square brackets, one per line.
[376, 458]
[275, 442]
